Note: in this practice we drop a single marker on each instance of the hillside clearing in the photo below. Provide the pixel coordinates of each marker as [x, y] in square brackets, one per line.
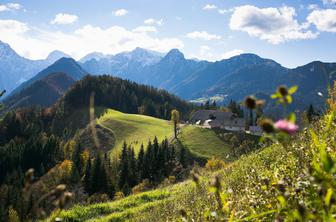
[134, 129]
[204, 142]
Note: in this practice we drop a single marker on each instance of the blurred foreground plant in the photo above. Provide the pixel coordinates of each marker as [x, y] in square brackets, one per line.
[58, 196]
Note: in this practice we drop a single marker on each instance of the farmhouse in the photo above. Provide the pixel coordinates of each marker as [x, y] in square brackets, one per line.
[218, 119]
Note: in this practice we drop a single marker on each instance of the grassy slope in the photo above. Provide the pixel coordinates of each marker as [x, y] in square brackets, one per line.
[166, 202]
[122, 209]
[203, 142]
[134, 129]
[241, 182]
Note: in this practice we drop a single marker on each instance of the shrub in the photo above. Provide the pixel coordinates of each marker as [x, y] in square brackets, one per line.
[143, 186]
[215, 164]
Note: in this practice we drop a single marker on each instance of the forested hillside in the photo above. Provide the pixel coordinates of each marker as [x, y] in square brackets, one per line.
[54, 142]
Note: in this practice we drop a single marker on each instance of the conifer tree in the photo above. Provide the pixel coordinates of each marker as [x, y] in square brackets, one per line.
[132, 180]
[124, 168]
[99, 179]
[140, 163]
[183, 157]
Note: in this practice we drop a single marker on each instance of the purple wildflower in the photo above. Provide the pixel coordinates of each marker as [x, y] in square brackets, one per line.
[286, 126]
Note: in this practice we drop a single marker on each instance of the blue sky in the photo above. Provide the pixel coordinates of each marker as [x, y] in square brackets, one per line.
[291, 32]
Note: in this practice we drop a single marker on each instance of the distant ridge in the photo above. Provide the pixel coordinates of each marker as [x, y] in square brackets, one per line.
[65, 65]
[43, 92]
[15, 69]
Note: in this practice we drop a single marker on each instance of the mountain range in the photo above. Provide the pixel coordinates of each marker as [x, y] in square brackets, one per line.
[15, 69]
[190, 79]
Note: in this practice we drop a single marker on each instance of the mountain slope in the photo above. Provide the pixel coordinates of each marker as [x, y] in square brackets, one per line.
[15, 69]
[114, 93]
[123, 64]
[170, 71]
[43, 92]
[64, 65]
[265, 78]
[56, 55]
[197, 84]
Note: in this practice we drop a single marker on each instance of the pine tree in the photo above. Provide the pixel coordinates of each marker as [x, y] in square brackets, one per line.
[124, 168]
[183, 157]
[207, 105]
[132, 180]
[140, 163]
[148, 160]
[214, 105]
[99, 179]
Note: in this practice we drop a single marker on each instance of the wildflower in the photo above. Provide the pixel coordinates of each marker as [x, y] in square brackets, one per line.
[284, 95]
[286, 126]
[213, 214]
[267, 125]
[250, 102]
[283, 91]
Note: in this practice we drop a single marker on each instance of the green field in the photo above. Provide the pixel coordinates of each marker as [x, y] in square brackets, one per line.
[134, 129]
[203, 142]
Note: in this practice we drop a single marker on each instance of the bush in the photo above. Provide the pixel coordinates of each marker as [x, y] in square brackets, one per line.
[215, 164]
[141, 187]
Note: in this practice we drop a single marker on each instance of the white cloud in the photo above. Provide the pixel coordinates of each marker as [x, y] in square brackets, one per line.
[224, 11]
[203, 35]
[3, 8]
[64, 19]
[10, 27]
[151, 21]
[15, 6]
[329, 2]
[232, 53]
[312, 7]
[324, 20]
[120, 12]
[275, 25]
[204, 50]
[145, 29]
[209, 7]
[37, 43]
[205, 53]
[10, 7]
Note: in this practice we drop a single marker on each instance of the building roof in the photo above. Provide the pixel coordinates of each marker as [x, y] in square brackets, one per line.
[234, 122]
[217, 115]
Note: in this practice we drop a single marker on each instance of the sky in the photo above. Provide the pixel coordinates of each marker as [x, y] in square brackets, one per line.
[291, 32]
